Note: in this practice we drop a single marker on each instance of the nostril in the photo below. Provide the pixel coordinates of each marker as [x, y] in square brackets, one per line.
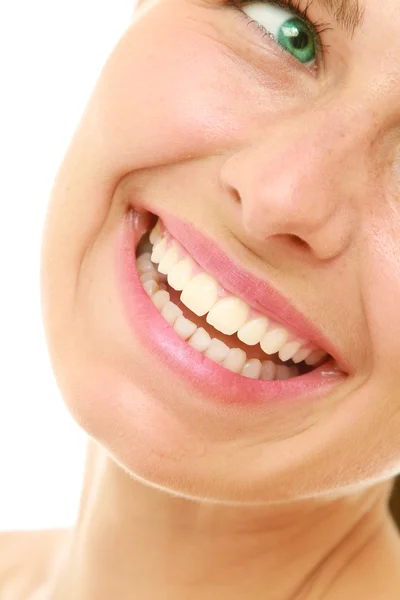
[297, 241]
[236, 196]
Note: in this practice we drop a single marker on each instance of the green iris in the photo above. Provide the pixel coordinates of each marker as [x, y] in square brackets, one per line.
[295, 37]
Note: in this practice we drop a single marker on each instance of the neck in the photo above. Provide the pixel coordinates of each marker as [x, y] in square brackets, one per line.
[131, 540]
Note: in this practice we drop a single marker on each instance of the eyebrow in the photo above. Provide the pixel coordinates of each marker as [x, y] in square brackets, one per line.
[347, 13]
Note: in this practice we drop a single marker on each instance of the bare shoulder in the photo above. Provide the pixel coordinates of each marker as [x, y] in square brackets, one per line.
[25, 560]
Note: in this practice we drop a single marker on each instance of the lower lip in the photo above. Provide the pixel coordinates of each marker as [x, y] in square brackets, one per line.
[209, 378]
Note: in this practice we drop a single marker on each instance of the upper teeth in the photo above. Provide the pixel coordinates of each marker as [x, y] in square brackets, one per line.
[201, 293]
[228, 314]
[180, 274]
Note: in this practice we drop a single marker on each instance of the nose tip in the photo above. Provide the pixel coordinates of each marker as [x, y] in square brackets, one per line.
[300, 191]
[304, 213]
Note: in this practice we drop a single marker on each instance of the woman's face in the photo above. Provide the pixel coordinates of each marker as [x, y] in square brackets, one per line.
[273, 160]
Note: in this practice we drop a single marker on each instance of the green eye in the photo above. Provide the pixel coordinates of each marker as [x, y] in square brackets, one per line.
[291, 32]
[295, 37]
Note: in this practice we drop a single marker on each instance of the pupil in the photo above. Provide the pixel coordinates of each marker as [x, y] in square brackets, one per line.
[300, 41]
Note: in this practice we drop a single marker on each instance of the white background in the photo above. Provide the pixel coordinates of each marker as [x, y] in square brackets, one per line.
[51, 53]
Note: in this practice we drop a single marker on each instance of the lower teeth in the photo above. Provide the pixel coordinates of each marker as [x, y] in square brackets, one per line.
[233, 359]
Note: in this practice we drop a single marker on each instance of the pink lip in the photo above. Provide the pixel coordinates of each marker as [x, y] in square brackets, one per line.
[165, 346]
[256, 292]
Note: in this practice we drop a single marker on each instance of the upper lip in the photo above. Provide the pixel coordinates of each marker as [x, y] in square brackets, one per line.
[259, 294]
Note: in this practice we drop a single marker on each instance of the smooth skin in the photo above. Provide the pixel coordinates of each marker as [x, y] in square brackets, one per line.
[295, 172]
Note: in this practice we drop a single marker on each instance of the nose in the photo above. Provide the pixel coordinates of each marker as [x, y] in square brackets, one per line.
[302, 181]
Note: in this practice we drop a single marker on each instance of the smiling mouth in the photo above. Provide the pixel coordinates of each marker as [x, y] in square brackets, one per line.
[221, 326]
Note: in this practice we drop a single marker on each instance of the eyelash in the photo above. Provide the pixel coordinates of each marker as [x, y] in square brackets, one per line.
[316, 28]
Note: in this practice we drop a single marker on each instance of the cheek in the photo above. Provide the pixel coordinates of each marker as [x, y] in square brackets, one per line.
[382, 299]
[166, 104]
[159, 100]
[180, 85]
[170, 92]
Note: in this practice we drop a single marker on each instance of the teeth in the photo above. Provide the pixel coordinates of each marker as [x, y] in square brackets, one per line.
[301, 355]
[228, 314]
[160, 299]
[180, 274]
[232, 359]
[217, 350]
[200, 340]
[200, 294]
[268, 370]
[253, 331]
[155, 235]
[282, 372]
[149, 276]
[252, 369]
[170, 258]
[144, 264]
[150, 287]
[315, 357]
[171, 312]
[289, 350]
[235, 360]
[159, 249]
[184, 328]
[274, 340]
